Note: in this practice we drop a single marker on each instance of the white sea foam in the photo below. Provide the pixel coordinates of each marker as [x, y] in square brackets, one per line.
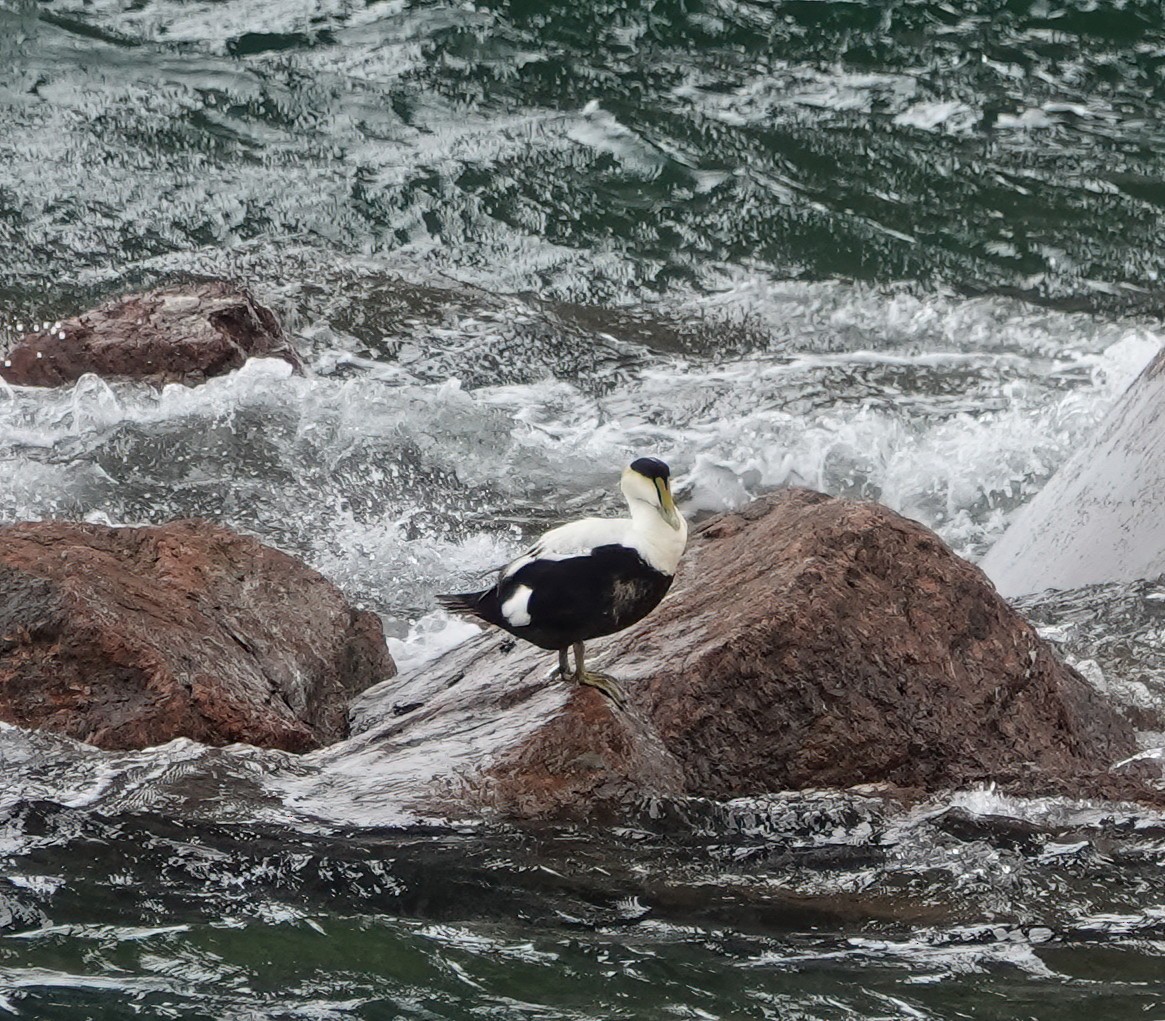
[941, 954]
[428, 638]
[952, 411]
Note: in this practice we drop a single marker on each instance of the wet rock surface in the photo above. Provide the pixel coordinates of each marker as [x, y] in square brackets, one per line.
[808, 642]
[180, 334]
[129, 637]
[858, 648]
[1101, 517]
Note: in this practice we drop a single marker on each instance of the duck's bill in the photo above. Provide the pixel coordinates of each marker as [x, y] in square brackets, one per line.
[667, 507]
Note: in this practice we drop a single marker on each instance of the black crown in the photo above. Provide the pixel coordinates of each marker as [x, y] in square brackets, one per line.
[652, 467]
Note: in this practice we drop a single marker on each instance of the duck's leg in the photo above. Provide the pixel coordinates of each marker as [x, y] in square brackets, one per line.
[604, 682]
[564, 665]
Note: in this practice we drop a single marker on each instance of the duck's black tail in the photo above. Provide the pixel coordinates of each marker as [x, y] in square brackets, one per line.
[471, 604]
[461, 602]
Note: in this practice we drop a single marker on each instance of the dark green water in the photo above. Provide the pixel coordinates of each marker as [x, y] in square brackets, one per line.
[901, 250]
[592, 151]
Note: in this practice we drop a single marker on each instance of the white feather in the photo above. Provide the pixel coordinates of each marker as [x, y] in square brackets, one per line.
[516, 609]
[583, 536]
[659, 544]
[645, 531]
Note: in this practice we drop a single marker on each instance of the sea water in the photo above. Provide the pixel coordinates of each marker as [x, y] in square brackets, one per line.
[904, 252]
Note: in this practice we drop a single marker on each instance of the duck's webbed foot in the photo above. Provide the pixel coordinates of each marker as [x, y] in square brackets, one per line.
[605, 683]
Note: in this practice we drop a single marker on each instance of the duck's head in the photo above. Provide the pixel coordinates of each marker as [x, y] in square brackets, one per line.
[648, 480]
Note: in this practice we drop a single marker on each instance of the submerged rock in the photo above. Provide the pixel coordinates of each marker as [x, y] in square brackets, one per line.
[1101, 517]
[808, 642]
[129, 637]
[180, 334]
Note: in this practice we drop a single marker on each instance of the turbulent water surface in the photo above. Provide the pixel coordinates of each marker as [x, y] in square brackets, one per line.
[905, 251]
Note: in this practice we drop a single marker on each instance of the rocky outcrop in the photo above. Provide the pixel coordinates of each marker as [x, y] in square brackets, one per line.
[129, 637]
[872, 654]
[808, 642]
[180, 334]
[1101, 517]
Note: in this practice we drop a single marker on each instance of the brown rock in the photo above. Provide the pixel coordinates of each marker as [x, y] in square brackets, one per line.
[808, 642]
[180, 334]
[129, 637]
[860, 649]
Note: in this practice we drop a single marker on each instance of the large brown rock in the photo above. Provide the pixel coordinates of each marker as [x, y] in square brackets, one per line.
[867, 652]
[180, 334]
[808, 642]
[129, 637]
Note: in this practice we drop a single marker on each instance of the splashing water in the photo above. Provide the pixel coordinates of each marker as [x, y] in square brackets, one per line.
[520, 244]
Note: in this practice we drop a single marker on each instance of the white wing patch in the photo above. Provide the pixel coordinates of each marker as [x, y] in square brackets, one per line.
[655, 541]
[582, 536]
[570, 540]
[516, 609]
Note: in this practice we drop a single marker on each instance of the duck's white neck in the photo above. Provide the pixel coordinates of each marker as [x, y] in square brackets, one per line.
[657, 542]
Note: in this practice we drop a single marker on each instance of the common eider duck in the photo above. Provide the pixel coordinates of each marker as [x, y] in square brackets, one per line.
[589, 578]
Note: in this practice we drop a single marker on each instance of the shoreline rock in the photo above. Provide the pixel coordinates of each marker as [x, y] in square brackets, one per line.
[185, 333]
[129, 637]
[809, 642]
